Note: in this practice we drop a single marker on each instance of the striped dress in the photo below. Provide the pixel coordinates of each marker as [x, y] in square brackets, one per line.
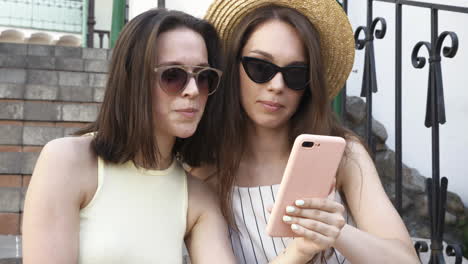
[251, 244]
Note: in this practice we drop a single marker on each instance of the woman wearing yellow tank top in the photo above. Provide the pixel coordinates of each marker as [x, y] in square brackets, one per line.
[117, 194]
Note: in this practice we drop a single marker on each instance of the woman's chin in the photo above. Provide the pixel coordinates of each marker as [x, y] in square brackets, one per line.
[185, 132]
[269, 123]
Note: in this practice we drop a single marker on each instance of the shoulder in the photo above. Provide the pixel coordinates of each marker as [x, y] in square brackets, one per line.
[69, 154]
[69, 149]
[198, 189]
[355, 147]
[356, 162]
[202, 202]
[67, 164]
[206, 173]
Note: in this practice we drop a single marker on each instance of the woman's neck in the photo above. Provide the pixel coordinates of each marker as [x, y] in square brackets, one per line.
[265, 158]
[165, 144]
[265, 145]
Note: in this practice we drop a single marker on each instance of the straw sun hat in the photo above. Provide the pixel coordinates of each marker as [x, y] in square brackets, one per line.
[331, 22]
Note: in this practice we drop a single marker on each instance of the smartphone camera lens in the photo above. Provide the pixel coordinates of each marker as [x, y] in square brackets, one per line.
[307, 144]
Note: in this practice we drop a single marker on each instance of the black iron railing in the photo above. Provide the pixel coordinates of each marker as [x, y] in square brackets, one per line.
[435, 108]
[102, 34]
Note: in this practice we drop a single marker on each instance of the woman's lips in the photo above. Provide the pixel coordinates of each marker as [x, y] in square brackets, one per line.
[187, 112]
[271, 106]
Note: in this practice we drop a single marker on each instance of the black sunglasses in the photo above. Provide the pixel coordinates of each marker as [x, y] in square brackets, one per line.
[296, 77]
[174, 78]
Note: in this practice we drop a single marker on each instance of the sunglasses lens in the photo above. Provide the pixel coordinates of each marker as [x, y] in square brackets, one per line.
[173, 80]
[207, 81]
[296, 78]
[259, 71]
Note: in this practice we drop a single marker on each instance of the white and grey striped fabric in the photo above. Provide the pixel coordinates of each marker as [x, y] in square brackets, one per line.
[251, 245]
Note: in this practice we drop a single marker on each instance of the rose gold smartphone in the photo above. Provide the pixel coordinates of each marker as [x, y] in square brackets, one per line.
[309, 173]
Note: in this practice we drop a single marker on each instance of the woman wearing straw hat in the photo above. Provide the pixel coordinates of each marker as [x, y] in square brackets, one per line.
[286, 59]
[117, 194]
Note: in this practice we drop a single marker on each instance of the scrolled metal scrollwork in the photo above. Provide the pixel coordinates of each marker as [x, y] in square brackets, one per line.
[451, 51]
[369, 80]
[421, 247]
[379, 33]
[418, 61]
[369, 36]
[435, 55]
[360, 43]
[435, 72]
[455, 251]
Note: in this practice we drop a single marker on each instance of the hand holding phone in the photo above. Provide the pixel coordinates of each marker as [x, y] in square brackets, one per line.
[309, 173]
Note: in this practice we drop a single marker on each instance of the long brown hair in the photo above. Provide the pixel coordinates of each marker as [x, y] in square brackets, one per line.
[314, 114]
[125, 125]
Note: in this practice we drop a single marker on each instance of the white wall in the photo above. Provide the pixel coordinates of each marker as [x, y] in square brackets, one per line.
[137, 7]
[195, 8]
[416, 137]
[103, 17]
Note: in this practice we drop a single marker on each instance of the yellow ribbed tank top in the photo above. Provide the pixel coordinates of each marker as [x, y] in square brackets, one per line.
[136, 216]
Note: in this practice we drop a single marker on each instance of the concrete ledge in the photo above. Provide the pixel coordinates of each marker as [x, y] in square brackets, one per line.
[10, 248]
[11, 261]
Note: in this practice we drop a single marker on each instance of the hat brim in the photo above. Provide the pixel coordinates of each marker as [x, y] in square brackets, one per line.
[327, 16]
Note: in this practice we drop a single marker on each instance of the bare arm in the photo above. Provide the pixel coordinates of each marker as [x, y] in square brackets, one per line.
[382, 235]
[208, 237]
[53, 200]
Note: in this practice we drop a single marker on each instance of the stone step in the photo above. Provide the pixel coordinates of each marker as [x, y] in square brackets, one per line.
[53, 63]
[12, 192]
[48, 111]
[10, 249]
[55, 51]
[18, 160]
[34, 133]
[52, 85]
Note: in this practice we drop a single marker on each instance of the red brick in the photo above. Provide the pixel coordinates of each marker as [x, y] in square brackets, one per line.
[40, 124]
[4, 148]
[72, 124]
[9, 224]
[26, 180]
[10, 181]
[10, 101]
[32, 149]
[21, 224]
[8, 122]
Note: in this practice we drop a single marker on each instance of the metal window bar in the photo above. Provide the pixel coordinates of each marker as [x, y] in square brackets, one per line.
[102, 34]
[51, 15]
[435, 110]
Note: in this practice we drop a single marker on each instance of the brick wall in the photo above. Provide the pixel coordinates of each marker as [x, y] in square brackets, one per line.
[46, 92]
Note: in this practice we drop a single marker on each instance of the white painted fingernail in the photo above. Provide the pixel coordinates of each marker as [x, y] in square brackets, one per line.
[290, 209]
[300, 202]
[287, 218]
[294, 227]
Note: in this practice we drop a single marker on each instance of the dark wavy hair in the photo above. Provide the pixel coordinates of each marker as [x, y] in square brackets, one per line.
[124, 126]
[313, 116]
